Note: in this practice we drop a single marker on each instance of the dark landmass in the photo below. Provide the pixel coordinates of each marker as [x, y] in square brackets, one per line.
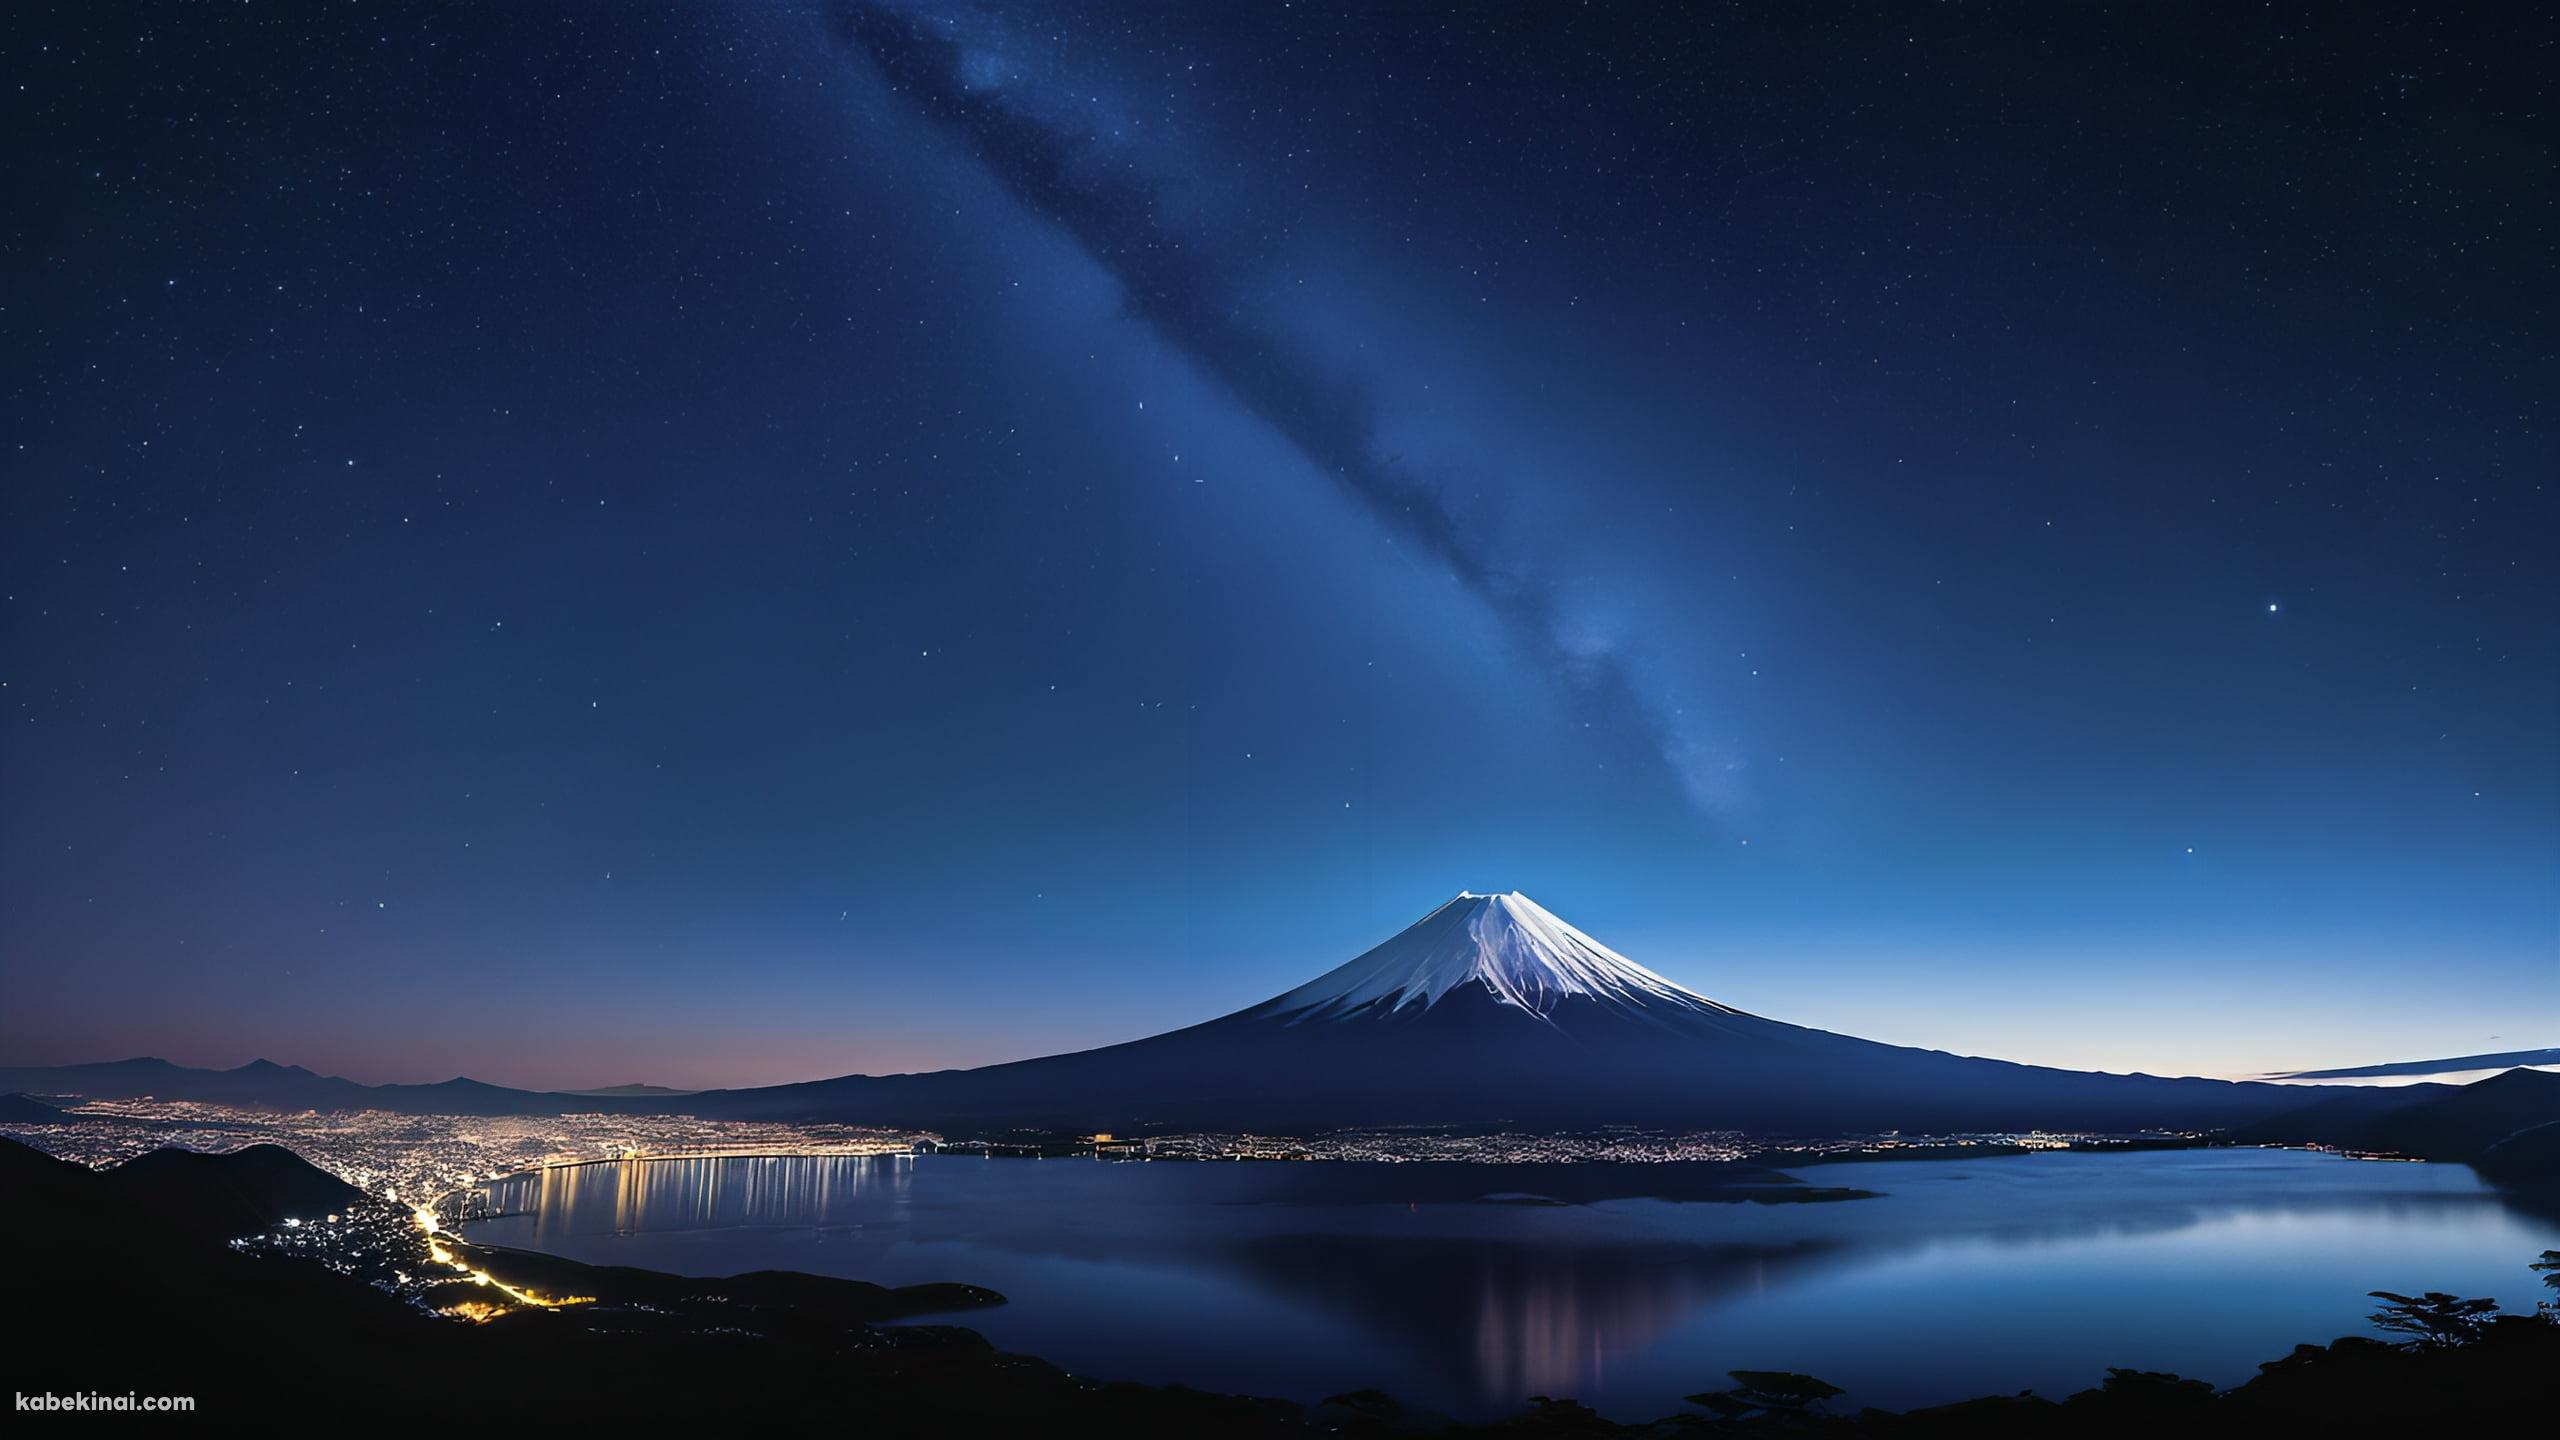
[2338, 1113]
[2459, 1123]
[2465, 1124]
[28, 1110]
[216, 1198]
[763, 1292]
[2528, 1158]
[135, 1299]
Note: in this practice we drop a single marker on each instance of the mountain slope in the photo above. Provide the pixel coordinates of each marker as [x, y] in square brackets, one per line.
[2507, 1126]
[1490, 1010]
[2471, 1119]
[2341, 1115]
[2433, 1122]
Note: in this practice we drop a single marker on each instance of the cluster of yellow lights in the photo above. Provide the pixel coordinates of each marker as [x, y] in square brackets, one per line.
[479, 1311]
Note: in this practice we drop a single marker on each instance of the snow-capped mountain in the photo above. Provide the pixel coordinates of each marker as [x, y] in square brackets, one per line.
[1492, 1011]
[1510, 945]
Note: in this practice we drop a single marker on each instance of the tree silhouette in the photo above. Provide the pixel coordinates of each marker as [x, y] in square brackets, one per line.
[2549, 1265]
[1547, 1415]
[2433, 1321]
[1767, 1392]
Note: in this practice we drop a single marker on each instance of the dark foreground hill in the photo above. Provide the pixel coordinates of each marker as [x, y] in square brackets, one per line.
[220, 1197]
[119, 1300]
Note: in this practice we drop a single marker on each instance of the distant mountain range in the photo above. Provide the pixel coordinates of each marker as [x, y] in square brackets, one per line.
[265, 1085]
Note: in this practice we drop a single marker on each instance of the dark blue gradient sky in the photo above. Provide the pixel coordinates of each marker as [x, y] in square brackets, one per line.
[717, 545]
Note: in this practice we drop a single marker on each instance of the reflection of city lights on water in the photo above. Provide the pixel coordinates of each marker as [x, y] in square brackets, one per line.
[661, 1192]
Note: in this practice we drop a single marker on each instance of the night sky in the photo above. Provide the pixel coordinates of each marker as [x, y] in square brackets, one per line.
[726, 544]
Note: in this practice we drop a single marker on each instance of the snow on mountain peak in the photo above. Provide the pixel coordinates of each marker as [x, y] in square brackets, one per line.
[1510, 944]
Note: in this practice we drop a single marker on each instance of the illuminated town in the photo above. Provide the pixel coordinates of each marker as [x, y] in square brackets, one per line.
[421, 1160]
[417, 1159]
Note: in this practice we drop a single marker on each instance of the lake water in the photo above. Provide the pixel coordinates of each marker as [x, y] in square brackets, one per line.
[1962, 1278]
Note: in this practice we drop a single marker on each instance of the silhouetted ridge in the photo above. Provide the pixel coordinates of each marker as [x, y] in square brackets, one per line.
[2502, 1125]
[226, 1196]
[20, 1109]
[2471, 1119]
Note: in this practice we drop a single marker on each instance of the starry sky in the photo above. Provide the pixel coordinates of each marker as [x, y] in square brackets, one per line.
[716, 544]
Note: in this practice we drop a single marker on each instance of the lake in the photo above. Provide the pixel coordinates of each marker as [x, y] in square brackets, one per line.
[1304, 1280]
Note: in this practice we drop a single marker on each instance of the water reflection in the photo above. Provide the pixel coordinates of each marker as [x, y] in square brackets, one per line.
[636, 1196]
[1506, 1320]
[1308, 1280]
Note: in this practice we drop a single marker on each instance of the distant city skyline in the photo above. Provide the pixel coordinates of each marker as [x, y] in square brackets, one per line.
[757, 543]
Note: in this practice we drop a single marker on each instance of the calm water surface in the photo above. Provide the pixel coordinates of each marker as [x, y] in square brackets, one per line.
[1964, 1278]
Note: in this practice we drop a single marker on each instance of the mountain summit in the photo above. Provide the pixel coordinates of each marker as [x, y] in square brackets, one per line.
[1512, 946]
